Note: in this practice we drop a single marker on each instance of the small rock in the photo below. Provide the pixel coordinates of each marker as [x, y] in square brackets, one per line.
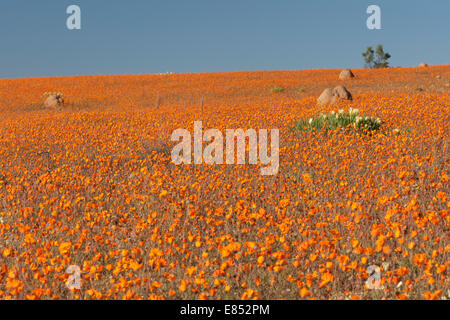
[346, 74]
[342, 93]
[332, 95]
[53, 100]
[326, 97]
[422, 64]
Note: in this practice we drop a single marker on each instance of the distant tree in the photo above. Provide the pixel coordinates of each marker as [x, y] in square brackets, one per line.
[368, 57]
[377, 58]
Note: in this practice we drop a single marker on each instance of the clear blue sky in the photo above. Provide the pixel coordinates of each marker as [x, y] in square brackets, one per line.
[149, 36]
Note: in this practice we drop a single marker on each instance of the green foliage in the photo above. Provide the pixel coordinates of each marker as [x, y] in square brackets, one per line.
[340, 119]
[368, 57]
[277, 89]
[377, 58]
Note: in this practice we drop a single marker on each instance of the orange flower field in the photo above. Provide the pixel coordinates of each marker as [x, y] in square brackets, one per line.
[92, 185]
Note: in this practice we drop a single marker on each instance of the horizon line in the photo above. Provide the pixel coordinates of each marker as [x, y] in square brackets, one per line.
[210, 72]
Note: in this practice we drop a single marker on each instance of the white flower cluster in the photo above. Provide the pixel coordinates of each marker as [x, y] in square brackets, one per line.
[353, 111]
[342, 119]
[358, 119]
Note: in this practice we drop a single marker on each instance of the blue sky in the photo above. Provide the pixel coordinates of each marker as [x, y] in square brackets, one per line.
[149, 36]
